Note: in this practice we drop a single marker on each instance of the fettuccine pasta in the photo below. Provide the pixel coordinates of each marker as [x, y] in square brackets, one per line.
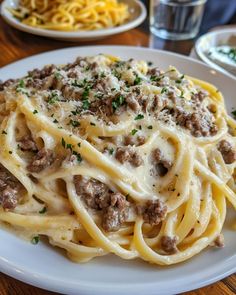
[109, 156]
[71, 15]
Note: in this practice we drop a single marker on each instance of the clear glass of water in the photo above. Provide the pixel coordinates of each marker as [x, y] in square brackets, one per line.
[176, 19]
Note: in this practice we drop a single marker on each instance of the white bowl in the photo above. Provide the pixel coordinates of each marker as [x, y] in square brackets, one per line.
[213, 39]
[41, 265]
[137, 11]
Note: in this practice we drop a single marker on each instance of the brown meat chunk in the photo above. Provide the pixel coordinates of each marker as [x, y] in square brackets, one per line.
[43, 73]
[43, 159]
[9, 189]
[6, 83]
[27, 144]
[219, 241]
[127, 154]
[154, 72]
[198, 123]
[132, 140]
[116, 214]
[9, 198]
[227, 151]
[162, 165]
[154, 212]
[95, 193]
[168, 244]
[132, 103]
[200, 96]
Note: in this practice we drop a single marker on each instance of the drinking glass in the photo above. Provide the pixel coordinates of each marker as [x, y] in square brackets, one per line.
[176, 19]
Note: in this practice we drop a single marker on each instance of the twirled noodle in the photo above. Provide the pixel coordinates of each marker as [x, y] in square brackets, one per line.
[108, 156]
[71, 15]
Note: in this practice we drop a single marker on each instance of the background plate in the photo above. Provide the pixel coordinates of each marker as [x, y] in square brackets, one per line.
[137, 11]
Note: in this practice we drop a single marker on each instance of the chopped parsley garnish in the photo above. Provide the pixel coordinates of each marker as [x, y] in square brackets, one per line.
[43, 210]
[21, 84]
[150, 63]
[58, 75]
[63, 143]
[69, 146]
[182, 94]
[139, 117]
[234, 114]
[35, 112]
[53, 98]
[10, 152]
[180, 80]
[150, 127]
[21, 87]
[35, 240]
[92, 124]
[4, 132]
[79, 144]
[55, 121]
[77, 84]
[85, 94]
[119, 101]
[78, 156]
[155, 78]
[137, 80]
[74, 123]
[111, 151]
[102, 75]
[163, 90]
[76, 112]
[134, 131]
[86, 104]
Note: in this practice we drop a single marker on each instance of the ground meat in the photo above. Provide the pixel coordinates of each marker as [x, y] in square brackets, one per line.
[162, 165]
[9, 189]
[154, 212]
[127, 154]
[197, 122]
[219, 241]
[132, 140]
[132, 103]
[168, 244]
[27, 144]
[116, 213]
[6, 83]
[96, 195]
[9, 198]
[158, 104]
[154, 72]
[200, 96]
[227, 151]
[43, 73]
[43, 159]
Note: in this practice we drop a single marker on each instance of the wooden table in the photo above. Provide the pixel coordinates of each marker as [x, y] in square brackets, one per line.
[15, 45]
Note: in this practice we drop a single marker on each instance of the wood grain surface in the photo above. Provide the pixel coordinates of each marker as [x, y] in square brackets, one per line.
[15, 45]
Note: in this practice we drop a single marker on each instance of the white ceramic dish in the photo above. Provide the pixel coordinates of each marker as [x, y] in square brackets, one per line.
[137, 10]
[45, 267]
[213, 39]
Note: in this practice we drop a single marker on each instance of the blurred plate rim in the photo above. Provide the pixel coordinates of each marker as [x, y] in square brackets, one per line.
[76, 35]
[208, 37]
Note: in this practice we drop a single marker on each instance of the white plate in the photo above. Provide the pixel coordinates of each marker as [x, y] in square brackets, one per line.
[213, 39]
[136, 8]
[43, 266]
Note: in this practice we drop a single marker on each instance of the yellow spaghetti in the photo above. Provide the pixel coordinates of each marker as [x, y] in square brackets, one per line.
[71, 15]
[109, 156]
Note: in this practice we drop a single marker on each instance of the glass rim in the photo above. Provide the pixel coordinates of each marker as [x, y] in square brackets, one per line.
[182, 3]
